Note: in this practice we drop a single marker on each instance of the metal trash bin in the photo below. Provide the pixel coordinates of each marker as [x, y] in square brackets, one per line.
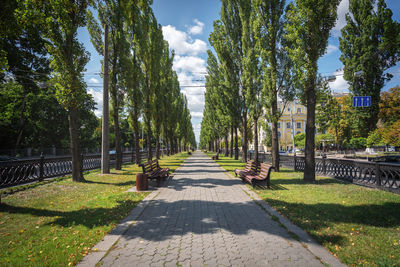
[142, 183]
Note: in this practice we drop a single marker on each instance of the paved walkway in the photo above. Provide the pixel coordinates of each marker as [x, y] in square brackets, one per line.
[205, 218]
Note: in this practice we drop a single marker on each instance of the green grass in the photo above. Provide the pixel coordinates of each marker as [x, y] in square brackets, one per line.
[361, 226]
[58, 223]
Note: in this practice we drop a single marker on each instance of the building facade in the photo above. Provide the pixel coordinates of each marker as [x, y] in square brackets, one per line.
[291, 123]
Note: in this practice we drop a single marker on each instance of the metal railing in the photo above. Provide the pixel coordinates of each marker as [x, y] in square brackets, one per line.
[27, 171]
[381, 175]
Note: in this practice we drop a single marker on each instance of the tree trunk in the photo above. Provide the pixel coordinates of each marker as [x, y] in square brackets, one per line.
[149, 151]
[255, 139]
[167, 146]
[309, 168]
[244, 144]
[137, 137]
[105, 153]
[226, 145]
[118, 163]
[236, 144]
[274, 135]
[275, 146]
[157, 146]
[77, 175]
[21, 124]
[231, 144]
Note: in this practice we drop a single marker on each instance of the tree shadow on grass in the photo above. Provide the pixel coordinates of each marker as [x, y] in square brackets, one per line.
[130, 183]
[322, 214]
[298, 181]
[89, 217]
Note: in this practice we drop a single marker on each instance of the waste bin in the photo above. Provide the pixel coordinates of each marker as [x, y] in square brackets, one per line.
[141, 182]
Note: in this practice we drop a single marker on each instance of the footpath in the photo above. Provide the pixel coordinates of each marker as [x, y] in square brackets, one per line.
[205, 218]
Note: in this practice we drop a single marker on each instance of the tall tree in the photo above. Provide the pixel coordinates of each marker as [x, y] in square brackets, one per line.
[251, 76]
[131, 64]
[308, 27]
[222, 44]
[233, 28]
[61, 21]
[370, 43]
[276, 65]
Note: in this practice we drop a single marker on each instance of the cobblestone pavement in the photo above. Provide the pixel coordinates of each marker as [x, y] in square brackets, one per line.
[204, 218]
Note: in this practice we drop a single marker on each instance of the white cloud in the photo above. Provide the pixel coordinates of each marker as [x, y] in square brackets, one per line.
[189, 64]
[98, 98]
[182, 43]
[343, 8]
[196, 29]
[340, 85]
[94, 80]
[331, 49]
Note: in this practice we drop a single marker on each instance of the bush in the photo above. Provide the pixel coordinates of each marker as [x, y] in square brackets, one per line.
[375, 139]
[358, 142]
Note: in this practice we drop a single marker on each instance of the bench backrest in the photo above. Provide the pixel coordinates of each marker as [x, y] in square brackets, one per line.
[150, 166]
[265, 169]
[252, 166]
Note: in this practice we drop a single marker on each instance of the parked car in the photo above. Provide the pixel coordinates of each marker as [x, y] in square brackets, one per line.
[283, 153]
[388, 159]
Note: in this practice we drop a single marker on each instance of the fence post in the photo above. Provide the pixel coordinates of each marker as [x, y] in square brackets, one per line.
[324, 164]
[295, 162]
[82, 163]
[378, 174]
[41, 167]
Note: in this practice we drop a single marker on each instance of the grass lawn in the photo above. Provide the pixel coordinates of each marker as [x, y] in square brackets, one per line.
[58, 223]
[360, 226]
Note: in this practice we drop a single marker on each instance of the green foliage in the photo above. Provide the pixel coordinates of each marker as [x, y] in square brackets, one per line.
[307, 30]
[300, 140]
[370, 43]
[358, 142]
[374, 139]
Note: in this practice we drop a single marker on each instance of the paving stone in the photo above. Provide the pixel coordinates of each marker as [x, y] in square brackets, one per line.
[205, 218]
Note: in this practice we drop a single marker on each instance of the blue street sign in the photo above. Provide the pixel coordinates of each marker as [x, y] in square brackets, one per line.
[361, 101]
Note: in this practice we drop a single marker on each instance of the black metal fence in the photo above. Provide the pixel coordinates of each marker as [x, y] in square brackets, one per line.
[383, 175]
[26, 171]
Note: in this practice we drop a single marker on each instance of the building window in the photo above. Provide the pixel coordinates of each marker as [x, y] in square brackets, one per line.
[298, 110]
[288, 125]
[279, 135]
[279, 125]
[299, 125]
[288, 109]
[298, 132]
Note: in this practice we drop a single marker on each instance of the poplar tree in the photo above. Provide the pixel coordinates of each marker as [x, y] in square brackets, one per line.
[307, 29]
[230, 70]
[131, 60]
[370, 44]
[276, 66]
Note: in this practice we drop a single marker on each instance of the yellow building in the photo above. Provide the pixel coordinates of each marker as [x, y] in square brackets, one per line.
[291, 111]
[292, 122]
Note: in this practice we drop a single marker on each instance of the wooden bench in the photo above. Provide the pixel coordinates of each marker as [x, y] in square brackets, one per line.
[216, 156]
[256, 174]
[154, 171]
[251, 168]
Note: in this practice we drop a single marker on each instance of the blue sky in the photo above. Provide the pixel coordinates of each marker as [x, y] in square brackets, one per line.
[187, 25]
